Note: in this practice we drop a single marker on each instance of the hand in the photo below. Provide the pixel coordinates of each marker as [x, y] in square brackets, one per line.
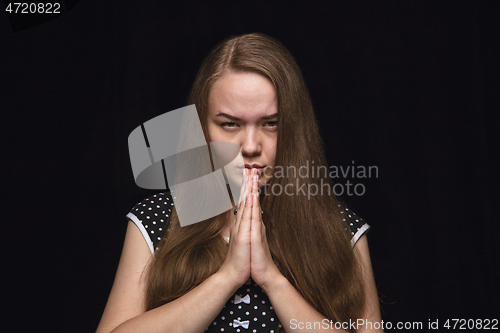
[262, 268]
[237, 264]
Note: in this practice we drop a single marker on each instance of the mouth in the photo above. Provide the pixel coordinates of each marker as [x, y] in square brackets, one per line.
[259, 168]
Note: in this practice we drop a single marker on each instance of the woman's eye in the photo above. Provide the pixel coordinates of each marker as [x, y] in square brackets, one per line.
[272, 124]
[228, 124]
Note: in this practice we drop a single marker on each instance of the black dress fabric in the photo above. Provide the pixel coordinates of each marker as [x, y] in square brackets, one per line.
[249, 309]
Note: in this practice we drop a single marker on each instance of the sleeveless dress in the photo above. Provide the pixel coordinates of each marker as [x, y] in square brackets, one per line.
[249, 309]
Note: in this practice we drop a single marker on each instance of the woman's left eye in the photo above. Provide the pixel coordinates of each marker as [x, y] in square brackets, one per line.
[228, 124]
[272, 123]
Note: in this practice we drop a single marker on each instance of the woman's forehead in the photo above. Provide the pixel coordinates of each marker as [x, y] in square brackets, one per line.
[244, 96]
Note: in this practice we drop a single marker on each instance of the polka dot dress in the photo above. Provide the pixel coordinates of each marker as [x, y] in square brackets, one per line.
[354, 222]
[249, 309]
[152, 216]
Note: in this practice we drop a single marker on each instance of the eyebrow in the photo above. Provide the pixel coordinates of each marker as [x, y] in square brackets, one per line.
[222, 114]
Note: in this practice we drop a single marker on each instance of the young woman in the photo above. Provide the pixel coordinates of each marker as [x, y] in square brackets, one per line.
[287, 260]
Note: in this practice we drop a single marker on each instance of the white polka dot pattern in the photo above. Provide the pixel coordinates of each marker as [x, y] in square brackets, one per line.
[154, 214]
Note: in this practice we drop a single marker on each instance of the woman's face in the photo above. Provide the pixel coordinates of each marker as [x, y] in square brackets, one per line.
[243, 109]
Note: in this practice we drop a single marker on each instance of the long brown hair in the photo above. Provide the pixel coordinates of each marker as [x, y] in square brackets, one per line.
[306, 234]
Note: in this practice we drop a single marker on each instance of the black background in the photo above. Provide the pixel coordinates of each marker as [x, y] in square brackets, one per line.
[408, 86]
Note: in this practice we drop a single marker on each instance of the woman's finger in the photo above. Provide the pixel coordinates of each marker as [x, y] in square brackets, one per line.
[241, 204]
[240, 208]
[243, 191]
[246, 215]
[255, 225]
[243, 188]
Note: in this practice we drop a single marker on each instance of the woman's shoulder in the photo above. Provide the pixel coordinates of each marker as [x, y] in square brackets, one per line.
[152, 216]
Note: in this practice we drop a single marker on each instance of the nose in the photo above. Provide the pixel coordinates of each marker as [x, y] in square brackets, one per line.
[250, 143]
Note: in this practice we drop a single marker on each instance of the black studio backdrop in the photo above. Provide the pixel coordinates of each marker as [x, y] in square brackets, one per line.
[408, 86]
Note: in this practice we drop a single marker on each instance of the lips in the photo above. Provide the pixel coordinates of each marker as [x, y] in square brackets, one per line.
[259, 167]
[254, 166]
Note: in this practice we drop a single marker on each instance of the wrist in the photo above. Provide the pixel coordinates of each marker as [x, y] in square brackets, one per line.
[277, 282]
[226, 281]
